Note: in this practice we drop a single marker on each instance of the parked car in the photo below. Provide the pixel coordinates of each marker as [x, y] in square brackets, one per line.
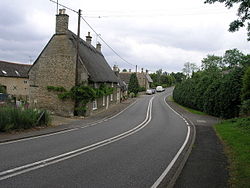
[153, 91]
[160, 89]
[149, 92]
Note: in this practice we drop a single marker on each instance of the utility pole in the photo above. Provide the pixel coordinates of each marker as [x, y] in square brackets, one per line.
[77, 45]
[136, 69]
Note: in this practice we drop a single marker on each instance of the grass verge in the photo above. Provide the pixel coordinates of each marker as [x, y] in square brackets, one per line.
[235, 134]
[186, 108]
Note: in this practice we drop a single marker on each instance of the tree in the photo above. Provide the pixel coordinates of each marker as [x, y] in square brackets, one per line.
[133, 85]
[189, 68]
[124, 70]
[212, 62]
[179, 76]
[243, 14]
[233, 57]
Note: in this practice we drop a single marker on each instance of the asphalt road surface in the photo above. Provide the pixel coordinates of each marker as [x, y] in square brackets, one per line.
[132, 149]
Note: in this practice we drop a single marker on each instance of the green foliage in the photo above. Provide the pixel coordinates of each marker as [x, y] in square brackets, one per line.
[212, 63]
[124, 70]
[243, 14]
[233, 57]
[246, 85]
[162, 78]
[178, 77]
[82, 95]
[16, 118]
[56, 88]
[245, 108]
[212, 92]
[235, 133]
[133, 85]
[141, 89]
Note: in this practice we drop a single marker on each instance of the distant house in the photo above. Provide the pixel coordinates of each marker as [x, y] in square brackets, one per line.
[14, 78]
[143, 78]
[56, 66]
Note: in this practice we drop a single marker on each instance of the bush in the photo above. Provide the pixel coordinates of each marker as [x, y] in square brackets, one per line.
[141, 89]
[215, 93]
[16, 118]
[245, 108]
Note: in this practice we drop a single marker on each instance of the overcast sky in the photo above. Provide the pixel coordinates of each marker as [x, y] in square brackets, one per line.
[159, 34]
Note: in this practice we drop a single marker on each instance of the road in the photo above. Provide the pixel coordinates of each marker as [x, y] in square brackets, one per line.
[132, 149]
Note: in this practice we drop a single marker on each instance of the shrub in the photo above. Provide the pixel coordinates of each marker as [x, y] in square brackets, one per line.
[16, 118]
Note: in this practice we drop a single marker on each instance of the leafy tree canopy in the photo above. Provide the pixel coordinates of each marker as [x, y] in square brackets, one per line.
[124, 70]
[233, 57]
[243, 14]
[211, 62]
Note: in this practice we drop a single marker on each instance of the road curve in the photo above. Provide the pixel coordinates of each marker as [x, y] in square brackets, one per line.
[132, 149]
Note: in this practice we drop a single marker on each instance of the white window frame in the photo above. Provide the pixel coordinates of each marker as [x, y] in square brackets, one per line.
[112, 84]
[94, 107]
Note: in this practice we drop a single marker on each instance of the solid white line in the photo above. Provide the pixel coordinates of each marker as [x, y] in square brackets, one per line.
[68, 130]
[39, 164]
[166, 171]
[159, 180]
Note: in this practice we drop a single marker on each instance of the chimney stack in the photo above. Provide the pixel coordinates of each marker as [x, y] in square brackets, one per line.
[99, 47]
[88, 38]
[116, 68]
[147, 71]
[141, 70]
[129, 70]
[62, 21]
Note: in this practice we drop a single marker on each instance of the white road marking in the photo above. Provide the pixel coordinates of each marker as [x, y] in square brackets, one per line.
[68, 130]
[159, 180]
[42, 163]
[166, 171]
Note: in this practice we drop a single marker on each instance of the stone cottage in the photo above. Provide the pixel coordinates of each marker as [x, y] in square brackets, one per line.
[143, 78]
[56, 66]
[14, 78]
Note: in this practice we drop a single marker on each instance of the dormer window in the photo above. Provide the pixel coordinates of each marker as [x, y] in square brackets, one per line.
[3, 71]
[17, 73]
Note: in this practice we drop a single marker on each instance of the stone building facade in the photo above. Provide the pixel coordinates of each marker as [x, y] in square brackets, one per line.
[143, 78]
[57, 66]
[14, 78]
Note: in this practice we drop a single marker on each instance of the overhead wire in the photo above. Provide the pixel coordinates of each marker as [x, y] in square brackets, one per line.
[95, 33]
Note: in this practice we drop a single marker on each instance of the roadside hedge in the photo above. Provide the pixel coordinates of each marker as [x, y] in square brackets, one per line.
[216, 93]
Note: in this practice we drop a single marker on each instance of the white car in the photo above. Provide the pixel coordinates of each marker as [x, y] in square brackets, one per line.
[149, 92]
[159, 89]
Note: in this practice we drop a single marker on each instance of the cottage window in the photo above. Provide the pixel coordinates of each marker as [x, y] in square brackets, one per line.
[94, 105]
[112, 84]
[95, 85]
[103, 101]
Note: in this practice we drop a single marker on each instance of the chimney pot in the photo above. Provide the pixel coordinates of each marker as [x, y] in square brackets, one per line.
[88, 38]
[99, 47]
[142, 70]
